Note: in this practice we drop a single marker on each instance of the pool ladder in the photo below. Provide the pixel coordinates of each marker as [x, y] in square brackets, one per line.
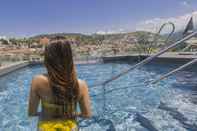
[150, 58]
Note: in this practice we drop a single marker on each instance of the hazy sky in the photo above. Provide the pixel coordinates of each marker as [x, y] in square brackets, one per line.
[31, 17]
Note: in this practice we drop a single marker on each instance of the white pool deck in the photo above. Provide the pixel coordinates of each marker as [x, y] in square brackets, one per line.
[181, 55]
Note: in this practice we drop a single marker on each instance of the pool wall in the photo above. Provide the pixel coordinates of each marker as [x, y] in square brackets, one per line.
[16, 66]
[180, 59]
[13, 67]
[161, 59]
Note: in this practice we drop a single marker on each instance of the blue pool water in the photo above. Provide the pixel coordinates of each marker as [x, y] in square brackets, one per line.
[126, 104]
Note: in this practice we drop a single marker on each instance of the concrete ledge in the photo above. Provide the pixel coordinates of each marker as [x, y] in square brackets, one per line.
[10, 68]
[126, 58]
[165, 58]
[15, 66]
[35, 62]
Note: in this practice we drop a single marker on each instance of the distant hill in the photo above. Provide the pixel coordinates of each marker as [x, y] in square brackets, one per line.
[95, 38]
[55, 34]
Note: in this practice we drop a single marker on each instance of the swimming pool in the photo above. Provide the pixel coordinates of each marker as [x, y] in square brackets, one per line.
[126, 104]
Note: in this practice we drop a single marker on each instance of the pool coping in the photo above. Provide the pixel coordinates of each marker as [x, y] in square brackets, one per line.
[165, 58]
[4, 70]
[12, 67]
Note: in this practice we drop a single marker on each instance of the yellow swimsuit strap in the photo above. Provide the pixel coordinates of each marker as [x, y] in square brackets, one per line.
[51, 105]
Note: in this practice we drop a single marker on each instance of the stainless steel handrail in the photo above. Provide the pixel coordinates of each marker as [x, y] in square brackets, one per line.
[174, 71]
[156, 36]
[145, 61]
[170, 34]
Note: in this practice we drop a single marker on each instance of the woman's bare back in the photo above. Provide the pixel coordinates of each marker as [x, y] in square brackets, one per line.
[41, 91]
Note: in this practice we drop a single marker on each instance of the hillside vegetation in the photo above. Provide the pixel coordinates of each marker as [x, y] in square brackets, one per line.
[94, 45]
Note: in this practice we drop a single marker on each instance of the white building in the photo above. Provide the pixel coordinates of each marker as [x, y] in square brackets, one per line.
[191, 43]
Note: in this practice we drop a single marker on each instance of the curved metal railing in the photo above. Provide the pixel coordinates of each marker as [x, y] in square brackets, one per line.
[156, 36]
[170, 34]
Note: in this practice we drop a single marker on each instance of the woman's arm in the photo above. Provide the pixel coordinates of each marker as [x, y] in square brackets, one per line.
[34, 98]
[84, 101]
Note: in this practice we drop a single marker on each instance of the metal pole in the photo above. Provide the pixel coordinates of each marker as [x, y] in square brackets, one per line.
[174, 71]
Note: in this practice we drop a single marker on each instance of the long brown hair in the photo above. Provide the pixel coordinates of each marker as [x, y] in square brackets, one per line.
[62, 75]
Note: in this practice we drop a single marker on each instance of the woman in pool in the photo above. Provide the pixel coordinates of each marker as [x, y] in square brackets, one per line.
[59, 91]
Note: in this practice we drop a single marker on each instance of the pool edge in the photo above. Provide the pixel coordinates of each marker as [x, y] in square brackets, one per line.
[16, 66]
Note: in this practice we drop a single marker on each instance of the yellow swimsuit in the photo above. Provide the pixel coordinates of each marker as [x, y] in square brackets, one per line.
[56, 125]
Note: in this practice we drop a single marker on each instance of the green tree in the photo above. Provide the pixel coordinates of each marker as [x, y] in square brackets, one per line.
[4, 42]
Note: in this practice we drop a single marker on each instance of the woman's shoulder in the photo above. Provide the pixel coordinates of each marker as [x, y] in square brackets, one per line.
[40, 80]
[83, 86]
[82, 83]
